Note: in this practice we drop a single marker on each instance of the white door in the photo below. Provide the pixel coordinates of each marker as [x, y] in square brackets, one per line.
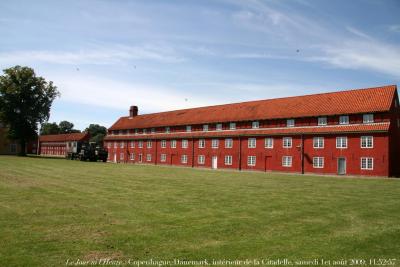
[341, 166]
[214, 162]
[115, 157]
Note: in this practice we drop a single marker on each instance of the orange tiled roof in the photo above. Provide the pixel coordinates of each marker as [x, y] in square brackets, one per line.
[377, 99]
[351, 128]
[64, 137]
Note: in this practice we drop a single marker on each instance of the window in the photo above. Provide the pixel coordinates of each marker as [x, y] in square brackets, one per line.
[251, 143]
[121, 156]
[367, 163]
[341, 142]
[153, 130]
[344, 119]
[202, 143]
[148, 157]
[205, 127]
[173, 143]
[255, 125]
[228, 143]
[318, 162]
[140, 144]
[367, 142]
[149, 144]
[184, 143]
[132, 156]
[115, 144]
[290, 123]
[287, 142]
[167, 129]
[136, 131]
[368, 118]
[132, 144]
[214, 143]
[108, 144]
[287, 161]
[13, 148]
[188, 128]
[184, 159]
[121, 144]
[251, 161]
[228, 160]
[144, 131]
[218, 127]
[318, 142]
[163, 157]
[322, 121]
[269, 142]
[232, 126]
[200, 159]
[163, 143]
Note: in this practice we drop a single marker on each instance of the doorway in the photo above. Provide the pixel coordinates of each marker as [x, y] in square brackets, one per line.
[214, 163]
[341, 166]
[140, 158]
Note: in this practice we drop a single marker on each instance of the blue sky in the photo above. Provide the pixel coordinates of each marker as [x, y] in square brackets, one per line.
[160, 55]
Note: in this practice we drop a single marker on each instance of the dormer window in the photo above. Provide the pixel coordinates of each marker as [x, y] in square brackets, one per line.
[344, 119]
[136, 131]
[218, 127]
[232, 126]
[322, 121]
[368, 118]
[205, 127]
[255, 125]
[188, 128]
[144, 131]
[290, 123]
[153, 130]
[167, 130]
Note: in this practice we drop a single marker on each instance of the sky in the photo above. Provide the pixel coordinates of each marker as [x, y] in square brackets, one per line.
[105, 56]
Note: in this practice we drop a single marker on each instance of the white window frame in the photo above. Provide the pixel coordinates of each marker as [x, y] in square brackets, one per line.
[322, 121]
[173, 143]
[251, 142]
[140, 144]
[290, 122]
[163, 143]
[201, 159]
[255, 124]
[132, 144]
[287, 161]
[340, 144]
[218, 127]
[367, 141]
[167, 129]
[188, 128]
[149, 144]
[344, 119]
[367, 163]
[121, 156]
[205, 127]
[121, 144]
[148, 157]
[108, 144]
[185, 143]
[214, 143]
[251, 161]
[269, 142]
[202, 143]
[287, 142]
[163, 157]
[318, 142]
[232, 126]
[153, 130]
[228, 160]
[132, 156]
[115, 144]
[318, 162]
[228, 142]
[184, 159]
[368, 118]
[144, 131]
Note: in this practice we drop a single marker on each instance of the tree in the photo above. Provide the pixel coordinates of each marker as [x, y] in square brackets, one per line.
[67, 127]
[97, 133]
[25, 101]
[49, 128]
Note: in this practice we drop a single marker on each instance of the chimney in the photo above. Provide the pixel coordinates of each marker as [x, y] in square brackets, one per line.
[133, 111]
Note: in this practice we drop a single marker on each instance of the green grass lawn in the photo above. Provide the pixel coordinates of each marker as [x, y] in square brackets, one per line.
[52, 210]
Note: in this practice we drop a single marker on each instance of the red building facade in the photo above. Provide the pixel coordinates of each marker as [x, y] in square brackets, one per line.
[353, 132]
[58, 145]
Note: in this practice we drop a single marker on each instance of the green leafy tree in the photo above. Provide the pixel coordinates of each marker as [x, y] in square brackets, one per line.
[49, 128]
[67, 127]
[25, 101]
[97, 133]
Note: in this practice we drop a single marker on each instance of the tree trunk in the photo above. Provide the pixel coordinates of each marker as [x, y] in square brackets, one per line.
[22, 144]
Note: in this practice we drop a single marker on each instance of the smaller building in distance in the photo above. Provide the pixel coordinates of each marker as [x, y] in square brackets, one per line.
[58, 145]
[12, 147]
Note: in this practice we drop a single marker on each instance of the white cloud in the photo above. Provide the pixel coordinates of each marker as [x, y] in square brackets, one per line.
[394, 28]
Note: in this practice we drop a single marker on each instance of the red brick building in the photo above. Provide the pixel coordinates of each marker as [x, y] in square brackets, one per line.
[58, 145]
[353, 132]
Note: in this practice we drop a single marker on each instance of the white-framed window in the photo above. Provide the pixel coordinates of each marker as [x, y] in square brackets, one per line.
[251, 142]
[251, 161]
[367, 163]
[202, 143]
[167, 129]
[287, 161]
[148, 157]
[228, 143]
[108, 144]
[188, 128]
[115, 144]
[185, 143]
[140, 144]
[318, 162]
[144, 131]
[184, 159]
[232, 126]
[290, 123]
[214, 143]
[13, 148]
[218, 127]
[228, 160]
[322, 121]
[136, 131]
[269, 142]
[121, 156]
[200, 159]
[121, 144]
[132, 156]
[255, 125]
[173, 143]
[318, 142]
[153, 130]
[367, 141]
[341, 142]
[205, 127]
[163, 143]
[163, 157]
[132, 144]
[344, 119]
[149, 144]
[287, 142]
[368, 118]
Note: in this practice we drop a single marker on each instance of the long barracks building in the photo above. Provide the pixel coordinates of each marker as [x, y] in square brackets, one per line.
[355, 132]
